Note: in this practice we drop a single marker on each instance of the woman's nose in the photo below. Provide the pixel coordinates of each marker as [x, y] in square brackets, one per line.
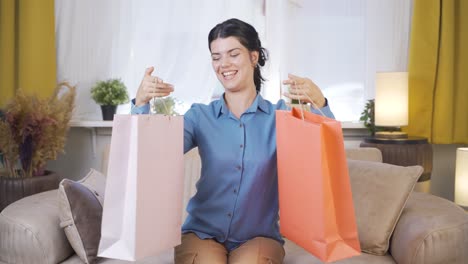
[225, 62]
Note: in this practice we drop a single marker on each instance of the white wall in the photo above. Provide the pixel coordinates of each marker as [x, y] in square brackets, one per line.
[79, 157]
[443, 171]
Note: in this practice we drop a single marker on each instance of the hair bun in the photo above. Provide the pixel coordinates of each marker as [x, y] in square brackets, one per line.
[263, 56]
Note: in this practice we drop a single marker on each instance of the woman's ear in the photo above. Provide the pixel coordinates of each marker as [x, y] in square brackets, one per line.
[254, 58]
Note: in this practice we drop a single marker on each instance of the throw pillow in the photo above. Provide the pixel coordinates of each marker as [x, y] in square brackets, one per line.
[380, 192]
[96, 182]
[81, 213]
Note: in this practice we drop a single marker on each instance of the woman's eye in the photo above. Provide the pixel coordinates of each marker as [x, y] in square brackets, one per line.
[235, 55]
[215, 58]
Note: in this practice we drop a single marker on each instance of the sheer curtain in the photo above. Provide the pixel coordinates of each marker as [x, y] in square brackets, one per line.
[339, 44]
[120, 38]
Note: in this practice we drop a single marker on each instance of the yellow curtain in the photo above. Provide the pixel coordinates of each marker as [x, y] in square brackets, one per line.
[27, 48]
[438, 71]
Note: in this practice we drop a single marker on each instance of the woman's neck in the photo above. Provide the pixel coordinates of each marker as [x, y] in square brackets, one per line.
[238, 102]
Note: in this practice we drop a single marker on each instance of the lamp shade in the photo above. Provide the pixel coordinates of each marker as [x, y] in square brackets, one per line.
[461, 177]
[391, 99]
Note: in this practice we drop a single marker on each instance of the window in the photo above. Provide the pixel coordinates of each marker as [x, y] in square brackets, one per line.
[339, 44]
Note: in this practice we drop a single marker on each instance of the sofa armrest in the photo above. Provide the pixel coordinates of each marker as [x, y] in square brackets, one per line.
[30, 231]
[430, 230]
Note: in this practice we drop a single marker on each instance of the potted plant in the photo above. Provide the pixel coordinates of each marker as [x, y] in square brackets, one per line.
[368, 117]
[164, 106]
[109, 94]
[32, 132]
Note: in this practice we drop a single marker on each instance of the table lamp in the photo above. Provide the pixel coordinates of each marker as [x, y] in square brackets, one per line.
[391, 104]
[461, 178]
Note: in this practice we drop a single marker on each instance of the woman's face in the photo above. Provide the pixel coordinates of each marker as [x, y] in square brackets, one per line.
[233, 64]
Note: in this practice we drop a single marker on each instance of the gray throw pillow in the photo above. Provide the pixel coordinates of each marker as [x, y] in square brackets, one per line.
[380, 192]
[81, 214]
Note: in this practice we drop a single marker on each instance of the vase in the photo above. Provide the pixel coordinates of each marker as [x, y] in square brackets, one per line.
[13, 189]
[108, 111]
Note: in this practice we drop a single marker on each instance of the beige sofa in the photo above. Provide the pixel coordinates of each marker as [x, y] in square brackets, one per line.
[429, 230]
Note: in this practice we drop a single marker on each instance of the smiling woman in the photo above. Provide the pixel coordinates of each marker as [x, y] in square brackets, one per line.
[232, 39]
[230, 220]
[234, 66]
[233, 63]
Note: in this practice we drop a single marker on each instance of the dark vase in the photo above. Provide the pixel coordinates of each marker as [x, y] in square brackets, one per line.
[13, 189]
[108, 111]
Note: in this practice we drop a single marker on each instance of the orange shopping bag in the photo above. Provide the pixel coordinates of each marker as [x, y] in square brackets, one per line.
[315, 200]
[142, 213]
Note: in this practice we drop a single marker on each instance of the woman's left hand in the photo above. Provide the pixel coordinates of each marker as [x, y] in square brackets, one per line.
[304, 89]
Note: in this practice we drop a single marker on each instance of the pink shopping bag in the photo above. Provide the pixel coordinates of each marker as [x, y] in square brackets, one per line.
[144, 189]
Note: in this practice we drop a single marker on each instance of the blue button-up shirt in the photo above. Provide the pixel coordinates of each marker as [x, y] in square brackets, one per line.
[237, 193]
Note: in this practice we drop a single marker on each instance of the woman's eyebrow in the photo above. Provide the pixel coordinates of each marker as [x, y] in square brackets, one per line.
[229, 51]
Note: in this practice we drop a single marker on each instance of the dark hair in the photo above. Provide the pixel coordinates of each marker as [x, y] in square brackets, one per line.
[248, 37]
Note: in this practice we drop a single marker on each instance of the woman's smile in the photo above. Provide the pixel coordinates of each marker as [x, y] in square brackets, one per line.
[229, 75]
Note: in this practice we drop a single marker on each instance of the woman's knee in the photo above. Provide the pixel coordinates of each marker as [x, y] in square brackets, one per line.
[194, 250]
[260, 250]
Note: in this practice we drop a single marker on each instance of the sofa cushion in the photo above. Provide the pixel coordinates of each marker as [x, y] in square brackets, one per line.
[297, 255]
[81, 213]
[380, 192]
[30, 231]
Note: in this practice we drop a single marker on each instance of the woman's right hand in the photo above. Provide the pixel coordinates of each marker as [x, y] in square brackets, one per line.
[151, 86]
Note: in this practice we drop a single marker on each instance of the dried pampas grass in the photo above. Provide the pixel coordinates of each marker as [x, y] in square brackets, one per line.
[34, 130]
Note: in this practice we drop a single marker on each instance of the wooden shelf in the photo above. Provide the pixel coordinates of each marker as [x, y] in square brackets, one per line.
[90, 123]
[352, 125]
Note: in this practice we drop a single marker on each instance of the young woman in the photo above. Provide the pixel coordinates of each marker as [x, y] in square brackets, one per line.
[233, 217]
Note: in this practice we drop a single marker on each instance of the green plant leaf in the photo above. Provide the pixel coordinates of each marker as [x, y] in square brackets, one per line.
[110, 92]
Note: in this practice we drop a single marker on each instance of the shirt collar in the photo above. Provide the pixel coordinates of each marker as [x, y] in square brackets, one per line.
[258, 103]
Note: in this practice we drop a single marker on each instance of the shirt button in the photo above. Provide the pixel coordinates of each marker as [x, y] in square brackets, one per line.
[240, 125]
[229, 214]
[241, 146]
[238, 167]
[235, 190]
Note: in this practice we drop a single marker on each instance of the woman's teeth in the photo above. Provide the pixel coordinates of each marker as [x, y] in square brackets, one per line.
[226, 74]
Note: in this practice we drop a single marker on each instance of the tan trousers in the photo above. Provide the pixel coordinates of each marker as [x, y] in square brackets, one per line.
[208, 251]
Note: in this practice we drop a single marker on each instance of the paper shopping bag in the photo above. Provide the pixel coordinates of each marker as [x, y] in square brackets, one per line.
[142, 214]
[316, 204]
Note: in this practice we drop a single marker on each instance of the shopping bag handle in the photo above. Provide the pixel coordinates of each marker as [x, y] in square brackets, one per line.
[311, 101]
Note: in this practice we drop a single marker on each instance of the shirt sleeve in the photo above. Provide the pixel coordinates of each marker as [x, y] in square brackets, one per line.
[190, 122]
[325, 110]
[139, 110]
